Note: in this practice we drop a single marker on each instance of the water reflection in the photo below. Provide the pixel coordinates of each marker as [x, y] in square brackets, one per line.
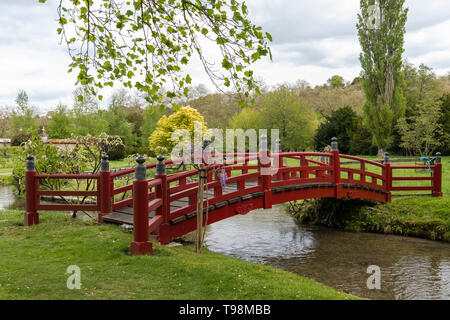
[411, 268]
[9, 200]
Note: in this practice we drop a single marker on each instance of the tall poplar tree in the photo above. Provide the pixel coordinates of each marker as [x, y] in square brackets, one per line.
[381, 29]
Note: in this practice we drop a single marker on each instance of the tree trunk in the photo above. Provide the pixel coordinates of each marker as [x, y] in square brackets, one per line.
[380, 153]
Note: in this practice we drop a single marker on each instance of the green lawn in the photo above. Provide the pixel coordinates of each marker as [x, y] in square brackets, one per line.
[34, 260]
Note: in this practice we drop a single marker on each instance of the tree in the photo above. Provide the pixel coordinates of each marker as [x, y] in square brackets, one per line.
[60, 125]
[88, 118]
[444, 121]
[23, 115]
[144, 43]
[5, 122]
[419, 132]
[381, 60]
[185, 118]
[117, 125]
[336, 82]
[346, 125]
[216, 108]
[151, 118]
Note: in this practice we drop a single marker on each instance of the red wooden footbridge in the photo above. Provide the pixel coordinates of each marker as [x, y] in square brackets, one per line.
[165, 206]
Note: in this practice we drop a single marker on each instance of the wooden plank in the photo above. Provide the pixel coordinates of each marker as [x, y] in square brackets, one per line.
[119, 218]
[126, 210]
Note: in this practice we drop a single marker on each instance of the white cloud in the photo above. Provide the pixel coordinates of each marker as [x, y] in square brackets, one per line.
[312, 41]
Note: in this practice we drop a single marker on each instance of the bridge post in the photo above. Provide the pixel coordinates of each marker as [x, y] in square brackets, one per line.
[141, 245]
[336, 165]
[437, 177]
[387, 176]
[105, 187]
[31, 187]
[162, 192]
[264, 164]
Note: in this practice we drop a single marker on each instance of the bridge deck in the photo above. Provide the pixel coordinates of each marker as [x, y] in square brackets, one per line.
[125, 215]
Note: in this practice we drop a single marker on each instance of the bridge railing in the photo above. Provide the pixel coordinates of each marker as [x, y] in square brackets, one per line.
[247, 173]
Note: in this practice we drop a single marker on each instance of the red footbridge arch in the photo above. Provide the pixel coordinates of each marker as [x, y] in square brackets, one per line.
[164, 206]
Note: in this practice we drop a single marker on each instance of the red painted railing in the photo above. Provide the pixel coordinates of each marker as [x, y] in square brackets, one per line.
[258, 181]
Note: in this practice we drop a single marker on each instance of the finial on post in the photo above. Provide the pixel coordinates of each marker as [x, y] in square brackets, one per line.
[386, 157]
[160, 166]
[438, 157]
[104, 166]
[334, 144]
[140, 172]
[206, 143]
[30, 163]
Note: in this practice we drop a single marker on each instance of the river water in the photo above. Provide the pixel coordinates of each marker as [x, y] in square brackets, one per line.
[411, 268]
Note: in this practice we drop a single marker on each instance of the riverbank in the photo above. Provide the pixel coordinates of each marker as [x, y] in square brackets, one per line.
[35, 260]
[416, 216]
[424, 217]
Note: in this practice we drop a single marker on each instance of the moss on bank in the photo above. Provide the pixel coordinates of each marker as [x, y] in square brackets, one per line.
[414, 216]
[34, 260]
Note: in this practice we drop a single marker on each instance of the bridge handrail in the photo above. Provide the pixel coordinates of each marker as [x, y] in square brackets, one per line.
[273, 186]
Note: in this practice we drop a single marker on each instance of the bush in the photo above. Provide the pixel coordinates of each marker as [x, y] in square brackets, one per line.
[20, 138]
[347, 126]
[115, 151]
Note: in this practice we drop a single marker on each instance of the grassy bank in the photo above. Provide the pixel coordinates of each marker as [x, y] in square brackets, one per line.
[425, 217]
[33, 263]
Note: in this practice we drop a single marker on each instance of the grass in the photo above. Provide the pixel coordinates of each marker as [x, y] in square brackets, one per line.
[34, 261]
[425, 217]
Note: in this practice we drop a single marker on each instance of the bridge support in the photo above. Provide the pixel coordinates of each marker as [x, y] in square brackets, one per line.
[105, 189]
[437, 177]
[31, 187]
[336, 164]
[265, 171]
[388, 177]
[162, 192]
[141, 245]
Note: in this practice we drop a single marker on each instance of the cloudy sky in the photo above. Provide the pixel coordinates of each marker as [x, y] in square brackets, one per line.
[313, 39]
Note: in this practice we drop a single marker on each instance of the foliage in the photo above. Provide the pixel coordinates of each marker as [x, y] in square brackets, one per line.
[419, 131]
[60, 126]
[86, 156]
[144, 43]
[118, 126]
[20, 138]
[247, 118]
[6, 156]
[5, 122]
[47, 160]
[336, 82]
[149, 123]
[420, 128]
[347, 127]
[217, 109]
[324, 100]
[444, 122]
[161, 139]
[381, 60]
[283, 110]
[23, 116]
